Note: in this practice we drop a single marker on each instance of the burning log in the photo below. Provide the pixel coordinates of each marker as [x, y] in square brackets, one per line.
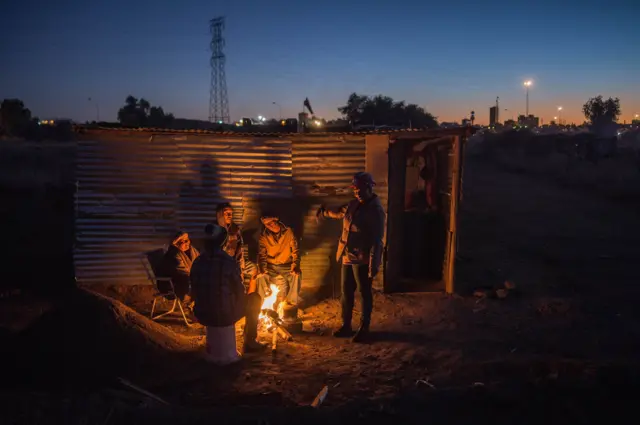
[285, 334]
[274, 341]
[277, 323]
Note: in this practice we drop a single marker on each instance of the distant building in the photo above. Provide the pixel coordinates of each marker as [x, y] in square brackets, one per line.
[493, 116]
[55, 121]
[529, 121]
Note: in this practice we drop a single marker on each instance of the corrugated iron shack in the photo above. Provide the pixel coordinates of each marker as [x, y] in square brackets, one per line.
[135, 188]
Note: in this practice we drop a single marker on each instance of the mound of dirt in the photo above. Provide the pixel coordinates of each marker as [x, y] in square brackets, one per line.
[90, 340]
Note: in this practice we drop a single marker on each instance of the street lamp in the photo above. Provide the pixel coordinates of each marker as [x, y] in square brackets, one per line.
[97, 109]
[560, 114]
[527, 84]
[279, 108]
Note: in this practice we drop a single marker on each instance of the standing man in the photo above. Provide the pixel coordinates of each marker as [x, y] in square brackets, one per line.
[234, 243]
[359, 251]
[234, 246]
[279, 258]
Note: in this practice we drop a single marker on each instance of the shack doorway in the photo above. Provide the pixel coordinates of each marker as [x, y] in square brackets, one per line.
[423, 193]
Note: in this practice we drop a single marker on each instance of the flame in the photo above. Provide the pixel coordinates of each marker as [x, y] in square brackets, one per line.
[269, 304]
[269, 301]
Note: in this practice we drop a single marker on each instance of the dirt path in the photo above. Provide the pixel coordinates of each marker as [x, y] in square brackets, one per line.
[574, 321]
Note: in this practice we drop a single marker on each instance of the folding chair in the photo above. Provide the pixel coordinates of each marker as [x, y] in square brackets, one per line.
[152, 262]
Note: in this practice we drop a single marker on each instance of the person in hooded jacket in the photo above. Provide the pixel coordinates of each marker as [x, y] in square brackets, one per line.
[279, 259]
[177, 264]
[221, 300]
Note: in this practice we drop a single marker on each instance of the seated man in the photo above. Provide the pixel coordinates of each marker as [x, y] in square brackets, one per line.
[279, 259]
[177, 263]
[220, 300]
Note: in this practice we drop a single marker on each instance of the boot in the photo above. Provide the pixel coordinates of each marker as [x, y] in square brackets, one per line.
[362, 335]
[343, 332]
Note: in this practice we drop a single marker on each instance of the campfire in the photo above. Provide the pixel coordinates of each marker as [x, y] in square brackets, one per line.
[271, 316]
[268, 306]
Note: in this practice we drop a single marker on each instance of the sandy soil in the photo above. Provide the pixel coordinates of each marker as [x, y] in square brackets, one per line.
[561, 346]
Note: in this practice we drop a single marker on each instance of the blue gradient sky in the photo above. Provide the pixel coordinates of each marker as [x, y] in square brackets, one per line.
[450, 57]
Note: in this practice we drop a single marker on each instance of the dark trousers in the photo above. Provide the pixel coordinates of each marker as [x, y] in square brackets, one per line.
[252, 313]
[352, 277]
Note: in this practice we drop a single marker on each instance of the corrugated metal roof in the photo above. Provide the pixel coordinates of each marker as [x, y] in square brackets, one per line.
[417, 133]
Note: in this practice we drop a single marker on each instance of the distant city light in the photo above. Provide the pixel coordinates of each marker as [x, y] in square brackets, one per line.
[559, 108]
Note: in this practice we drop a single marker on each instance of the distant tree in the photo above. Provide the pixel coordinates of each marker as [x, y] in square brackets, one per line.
[353, 110]
[140, 113]
[157, 118]
[596, 109]
[602, 114]
[14, 117]
[383, 110]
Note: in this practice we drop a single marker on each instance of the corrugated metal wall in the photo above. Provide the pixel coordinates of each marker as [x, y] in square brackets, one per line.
[133, 193]
[322, 171]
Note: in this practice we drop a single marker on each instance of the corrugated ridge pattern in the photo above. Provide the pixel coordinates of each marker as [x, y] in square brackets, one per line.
[134, 193]
[322, 171]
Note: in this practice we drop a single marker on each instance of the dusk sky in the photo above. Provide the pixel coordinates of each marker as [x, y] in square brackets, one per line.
[449, 57]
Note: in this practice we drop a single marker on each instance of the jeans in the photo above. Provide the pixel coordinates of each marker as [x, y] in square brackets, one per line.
[287, 283]
[352, 277]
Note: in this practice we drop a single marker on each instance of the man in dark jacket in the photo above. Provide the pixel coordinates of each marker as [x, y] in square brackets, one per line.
[177, 264]
[219, 292]
[235, 247]
[279, 258]
[359, 250]
[234, 244]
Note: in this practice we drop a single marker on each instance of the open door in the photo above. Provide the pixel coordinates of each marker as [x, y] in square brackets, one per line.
[423, 199]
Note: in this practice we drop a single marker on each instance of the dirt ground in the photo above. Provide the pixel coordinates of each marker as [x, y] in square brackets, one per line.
[560, 347]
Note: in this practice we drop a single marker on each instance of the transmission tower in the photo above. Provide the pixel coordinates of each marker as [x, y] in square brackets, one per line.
[218, 98]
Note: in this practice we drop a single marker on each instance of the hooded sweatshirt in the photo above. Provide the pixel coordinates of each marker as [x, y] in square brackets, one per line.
[278, 249]
[217, 288]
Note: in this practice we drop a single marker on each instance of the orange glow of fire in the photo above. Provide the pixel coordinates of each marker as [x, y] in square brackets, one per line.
[269, 304]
